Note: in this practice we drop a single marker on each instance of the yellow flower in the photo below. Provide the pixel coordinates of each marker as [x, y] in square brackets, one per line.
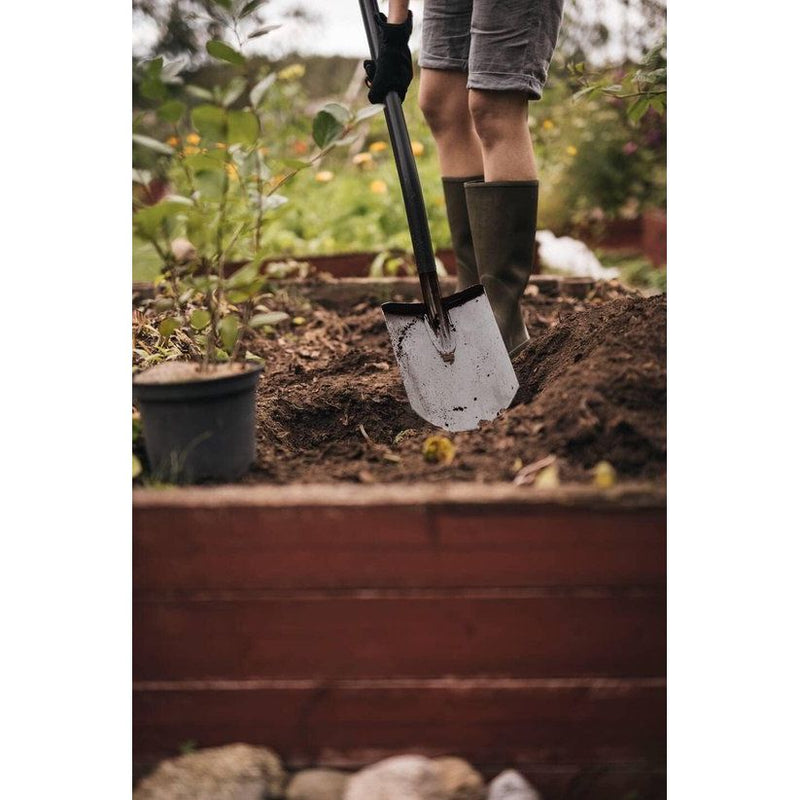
[231, 170]
[292, 72]
[264, 151]
[417, 148]
[323, 176]
[572, 150]
[220, 145]
[548, 125]
[362, 158]
[378, 187]
[377, 147]
[173, 141]
[189, 150]
[193, 138]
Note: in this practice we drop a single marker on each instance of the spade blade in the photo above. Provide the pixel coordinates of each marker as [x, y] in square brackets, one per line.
[458, 388]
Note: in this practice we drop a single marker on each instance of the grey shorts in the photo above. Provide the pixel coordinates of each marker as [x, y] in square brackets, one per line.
[502, 44]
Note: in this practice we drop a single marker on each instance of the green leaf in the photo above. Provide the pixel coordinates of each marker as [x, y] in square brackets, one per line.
[243, 276]
[326, 129]
[250, 7]
[229, 331]
[294, 163]
[259, 91]
[167, 327]
[242, 127]
[137, 467]
[199, 92]
[153, 144]
[234, 90]
[638, 108]
[153, 88]
[199, 318]
[225, 52]
[367, 112]
[210, 122]
[171, 111]
[338, 112]
[261, 31]
[270, 318]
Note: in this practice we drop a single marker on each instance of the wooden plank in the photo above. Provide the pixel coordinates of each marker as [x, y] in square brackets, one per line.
[259, 547]
[351, 724]
[532, 634]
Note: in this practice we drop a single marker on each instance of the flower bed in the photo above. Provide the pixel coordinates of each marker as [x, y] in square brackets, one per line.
[351, 599]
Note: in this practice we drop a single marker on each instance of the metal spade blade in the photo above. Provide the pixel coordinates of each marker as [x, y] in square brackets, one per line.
[457, 386]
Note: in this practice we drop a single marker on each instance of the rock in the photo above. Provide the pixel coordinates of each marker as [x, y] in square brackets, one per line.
[233, 772]
[397, 778]
[510, 785]
[317, 784]
[459, 780]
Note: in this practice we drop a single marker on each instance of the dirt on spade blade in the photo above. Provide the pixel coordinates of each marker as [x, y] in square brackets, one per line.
[331, 405]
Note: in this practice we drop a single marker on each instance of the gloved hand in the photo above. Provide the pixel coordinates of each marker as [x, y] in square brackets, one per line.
[392, 71]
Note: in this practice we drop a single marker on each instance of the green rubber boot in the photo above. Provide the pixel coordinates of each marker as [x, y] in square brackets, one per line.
[503, 222]
[460, 232]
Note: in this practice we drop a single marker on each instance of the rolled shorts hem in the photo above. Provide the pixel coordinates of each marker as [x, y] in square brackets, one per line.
[436, 62]
[505, 82]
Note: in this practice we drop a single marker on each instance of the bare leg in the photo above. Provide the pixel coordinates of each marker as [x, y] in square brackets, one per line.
[444, 101]
[501, 124]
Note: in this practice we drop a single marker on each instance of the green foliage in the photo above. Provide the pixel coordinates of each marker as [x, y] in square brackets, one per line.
[224, 163]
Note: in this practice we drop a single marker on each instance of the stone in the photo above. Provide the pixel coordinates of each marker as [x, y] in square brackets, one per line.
[317, 784]
[459, 779]
[397, 778]
[510, 785]
[233, 772]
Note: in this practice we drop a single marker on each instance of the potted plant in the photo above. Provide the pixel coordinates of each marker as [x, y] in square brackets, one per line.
[198, 415]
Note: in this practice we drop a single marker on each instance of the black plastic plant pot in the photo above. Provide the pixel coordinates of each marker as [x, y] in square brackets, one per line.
[199, 429]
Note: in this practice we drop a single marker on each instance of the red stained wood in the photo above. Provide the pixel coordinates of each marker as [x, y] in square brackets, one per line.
[382, 546]
[511, 723]
[346, 637]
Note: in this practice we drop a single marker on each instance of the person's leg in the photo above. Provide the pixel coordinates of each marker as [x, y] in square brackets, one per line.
[500, 119]
[510, 50]
[444, 101]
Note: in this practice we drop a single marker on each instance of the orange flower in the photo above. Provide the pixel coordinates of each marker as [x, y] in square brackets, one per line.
[193, 138]
[377, 147]
[323, 176]
[300, 147]
[378, 187]
[417, 148]
[173, 141]
[548, 125]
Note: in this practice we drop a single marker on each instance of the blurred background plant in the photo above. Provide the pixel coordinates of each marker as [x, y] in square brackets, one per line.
[599, 131]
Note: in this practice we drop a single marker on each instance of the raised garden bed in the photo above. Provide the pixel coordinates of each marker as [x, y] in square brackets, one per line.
[351, 600]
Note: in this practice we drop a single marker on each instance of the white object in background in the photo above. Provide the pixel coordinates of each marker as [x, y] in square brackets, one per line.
[570, 256]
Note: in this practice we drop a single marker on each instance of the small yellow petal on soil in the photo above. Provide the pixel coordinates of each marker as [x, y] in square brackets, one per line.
[547, 478]
[417, 148]
[323, 176]
[378, 187]
[439, 450]
[605, 476]
[193, 138]
[377, 147]
[299, 321]
[572, 150]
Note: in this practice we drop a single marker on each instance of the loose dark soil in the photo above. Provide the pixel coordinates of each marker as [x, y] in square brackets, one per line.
[331, 405]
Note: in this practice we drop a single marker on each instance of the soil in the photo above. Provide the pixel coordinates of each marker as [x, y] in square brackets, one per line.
[187, 372]
[331, 405]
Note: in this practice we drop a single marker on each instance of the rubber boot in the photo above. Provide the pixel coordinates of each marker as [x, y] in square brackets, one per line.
[503, 221]
[460, 232]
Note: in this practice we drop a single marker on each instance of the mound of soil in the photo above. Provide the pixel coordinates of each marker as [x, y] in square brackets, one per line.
[331, 404]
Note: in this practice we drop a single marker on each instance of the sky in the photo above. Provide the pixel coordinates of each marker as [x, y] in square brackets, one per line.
[339, 30]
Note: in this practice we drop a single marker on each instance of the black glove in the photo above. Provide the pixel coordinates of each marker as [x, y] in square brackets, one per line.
[392, 71]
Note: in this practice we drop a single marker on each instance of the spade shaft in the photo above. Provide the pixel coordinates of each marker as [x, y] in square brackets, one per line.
[412, 190]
